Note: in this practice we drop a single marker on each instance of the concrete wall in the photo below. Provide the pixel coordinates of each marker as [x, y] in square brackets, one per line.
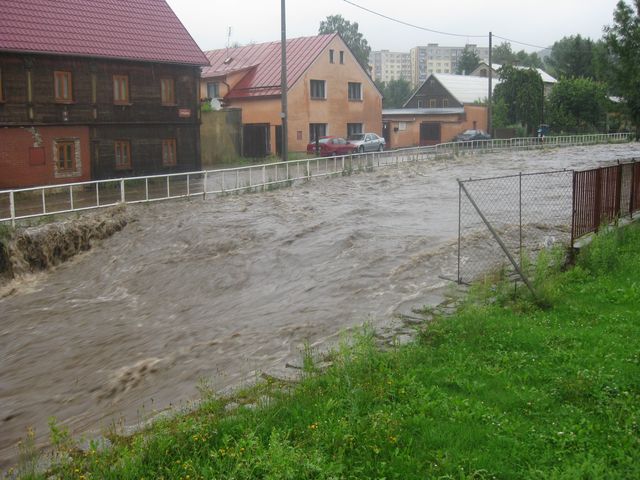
[220, 137]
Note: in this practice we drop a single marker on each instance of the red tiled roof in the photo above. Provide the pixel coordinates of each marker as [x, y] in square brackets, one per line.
[263, 62]
[145, 30]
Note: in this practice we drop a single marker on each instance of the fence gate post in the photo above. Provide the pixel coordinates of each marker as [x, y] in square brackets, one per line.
[597, 201]
[12, 208]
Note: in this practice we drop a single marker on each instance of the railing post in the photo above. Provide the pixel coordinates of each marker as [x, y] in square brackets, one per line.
[264, 176]
[122, 196]
[222, 186]
[188, 189]
[12, 208]
[98, 195]
[44, 203]
[146, 189]
[168, 190]
[71, 196]
[204, 185]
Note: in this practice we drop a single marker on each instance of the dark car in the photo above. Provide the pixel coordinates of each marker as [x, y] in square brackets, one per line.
[329, 146]
[469, 135]
[367, 142]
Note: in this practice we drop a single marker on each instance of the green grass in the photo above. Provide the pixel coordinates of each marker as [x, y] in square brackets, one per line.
[502, 389]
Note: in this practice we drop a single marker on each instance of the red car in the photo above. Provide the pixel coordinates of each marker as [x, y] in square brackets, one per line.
[330, 146]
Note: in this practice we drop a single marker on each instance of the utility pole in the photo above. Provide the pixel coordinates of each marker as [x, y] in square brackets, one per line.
[489, 126]
[283, 81]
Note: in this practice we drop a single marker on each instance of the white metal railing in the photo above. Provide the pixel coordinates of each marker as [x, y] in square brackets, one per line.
[39, 201]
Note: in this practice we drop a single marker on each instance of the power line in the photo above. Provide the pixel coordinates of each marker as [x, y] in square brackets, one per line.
[402, 22]
[520, 43]
[412, 25]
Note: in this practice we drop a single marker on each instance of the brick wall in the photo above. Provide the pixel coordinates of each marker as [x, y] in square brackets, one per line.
[29, 157]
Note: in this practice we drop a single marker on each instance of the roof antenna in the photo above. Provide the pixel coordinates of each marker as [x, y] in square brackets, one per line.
[228, 37]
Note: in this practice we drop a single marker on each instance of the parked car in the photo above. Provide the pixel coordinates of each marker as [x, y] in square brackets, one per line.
[367, 142]
[329, 146]
[469, 135]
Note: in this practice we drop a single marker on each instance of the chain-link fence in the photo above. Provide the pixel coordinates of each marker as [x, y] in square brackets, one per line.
[524, 213]
[508, 220]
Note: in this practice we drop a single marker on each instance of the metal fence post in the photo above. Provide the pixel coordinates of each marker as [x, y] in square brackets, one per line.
[459, 227]
[204, 185]
[520, 212]
[12, 208]
[122, 196]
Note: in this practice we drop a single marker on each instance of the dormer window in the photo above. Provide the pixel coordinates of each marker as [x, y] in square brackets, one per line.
[228, 60]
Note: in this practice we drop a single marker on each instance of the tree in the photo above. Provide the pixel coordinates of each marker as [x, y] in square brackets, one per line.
[572, 57]
[623, 40]
[577, 105]
[521, 90]
[468, 62]
[395, 93]
[503, 55]
[351, 36]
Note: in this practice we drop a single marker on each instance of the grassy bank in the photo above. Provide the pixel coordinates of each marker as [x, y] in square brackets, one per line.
[500, 390]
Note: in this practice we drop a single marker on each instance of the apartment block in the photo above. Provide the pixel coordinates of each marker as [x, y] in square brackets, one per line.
[435, 58]
[386, 65]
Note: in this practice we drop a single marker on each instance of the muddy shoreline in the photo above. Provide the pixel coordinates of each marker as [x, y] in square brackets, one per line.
[32, 249]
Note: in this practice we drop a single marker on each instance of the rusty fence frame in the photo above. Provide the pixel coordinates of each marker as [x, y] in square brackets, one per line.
[603, 195]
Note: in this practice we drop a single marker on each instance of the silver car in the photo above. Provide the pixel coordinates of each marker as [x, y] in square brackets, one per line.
[367, 142]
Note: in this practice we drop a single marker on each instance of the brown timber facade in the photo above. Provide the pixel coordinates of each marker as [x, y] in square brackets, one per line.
[71, 118]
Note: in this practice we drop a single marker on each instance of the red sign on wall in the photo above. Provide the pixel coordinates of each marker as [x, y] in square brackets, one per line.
[184, 112]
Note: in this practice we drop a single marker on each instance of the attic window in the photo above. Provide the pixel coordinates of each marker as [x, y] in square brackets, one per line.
[228, 60]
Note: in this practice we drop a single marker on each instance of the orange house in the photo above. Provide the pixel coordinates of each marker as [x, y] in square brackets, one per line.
[328, 92]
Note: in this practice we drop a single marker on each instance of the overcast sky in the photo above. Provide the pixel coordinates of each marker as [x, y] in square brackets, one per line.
[539, 22]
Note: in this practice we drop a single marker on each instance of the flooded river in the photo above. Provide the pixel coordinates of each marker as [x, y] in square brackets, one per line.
[224, 287]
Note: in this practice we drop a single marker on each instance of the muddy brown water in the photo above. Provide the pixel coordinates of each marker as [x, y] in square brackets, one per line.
[229, 286]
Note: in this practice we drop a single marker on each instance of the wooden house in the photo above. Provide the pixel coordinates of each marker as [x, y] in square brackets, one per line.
[441, 108]
[328, 92]
[90, 89]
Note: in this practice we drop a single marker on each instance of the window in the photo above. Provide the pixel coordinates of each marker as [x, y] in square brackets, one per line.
[432, 103]
[330, 56]
[168, 91]
[420, 103]
[353, 128]
[445, 102]
[213, 90]
[317, 89]
[123, 154]
[355, 91]
[62, 86]
[169, 152]
[65, 155]
[402, 126]
[317, 129]
[121, 89]
[341, 57]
